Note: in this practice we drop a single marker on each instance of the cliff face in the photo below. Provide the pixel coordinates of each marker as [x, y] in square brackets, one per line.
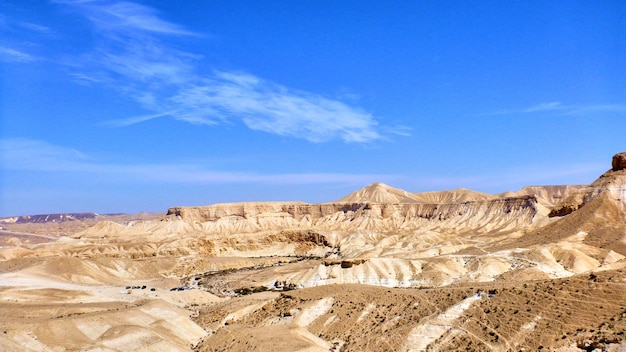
[252, 217]
[549, 196]
[612, 183]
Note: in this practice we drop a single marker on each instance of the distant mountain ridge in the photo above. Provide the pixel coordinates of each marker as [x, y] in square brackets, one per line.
[381, 193]
[44, 218]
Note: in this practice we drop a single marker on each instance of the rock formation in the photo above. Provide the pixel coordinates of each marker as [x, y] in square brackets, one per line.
[619, 161]
[254, 217]
[612, 182]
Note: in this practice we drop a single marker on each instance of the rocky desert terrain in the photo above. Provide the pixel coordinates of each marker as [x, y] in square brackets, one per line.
[380, 269]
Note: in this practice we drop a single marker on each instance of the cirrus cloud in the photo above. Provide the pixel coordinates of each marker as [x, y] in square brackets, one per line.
[133, 54]
[563, 109]
[13, 55]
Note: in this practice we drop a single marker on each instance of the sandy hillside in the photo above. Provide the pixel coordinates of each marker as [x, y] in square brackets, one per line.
[380, 269]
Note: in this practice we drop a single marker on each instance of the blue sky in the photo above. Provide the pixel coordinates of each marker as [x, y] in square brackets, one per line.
[111, 106]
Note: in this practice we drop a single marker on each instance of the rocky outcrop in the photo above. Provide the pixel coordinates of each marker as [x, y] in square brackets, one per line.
[612, 182]
[249, 210]
[619, 161]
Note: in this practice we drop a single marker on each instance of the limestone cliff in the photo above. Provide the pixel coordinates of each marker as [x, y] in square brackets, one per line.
[253, 217]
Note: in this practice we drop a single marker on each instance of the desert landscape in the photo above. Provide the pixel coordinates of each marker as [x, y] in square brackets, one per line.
[380, 269]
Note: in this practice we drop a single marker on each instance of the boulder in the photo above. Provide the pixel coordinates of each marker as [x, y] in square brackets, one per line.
[619, 161]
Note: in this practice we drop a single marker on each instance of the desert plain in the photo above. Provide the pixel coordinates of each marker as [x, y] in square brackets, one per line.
[380, 269]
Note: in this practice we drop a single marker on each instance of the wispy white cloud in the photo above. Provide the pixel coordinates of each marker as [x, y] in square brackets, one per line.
[28, 154]
[272, 108]
[35, 27]
[563, 109]
[19, 42]
[585, 109]
[13, 55]
[128, 16]
[134, 120]
[553, 106]
[123, 16]
[41, 156]
[134, 56]
[10, 23]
